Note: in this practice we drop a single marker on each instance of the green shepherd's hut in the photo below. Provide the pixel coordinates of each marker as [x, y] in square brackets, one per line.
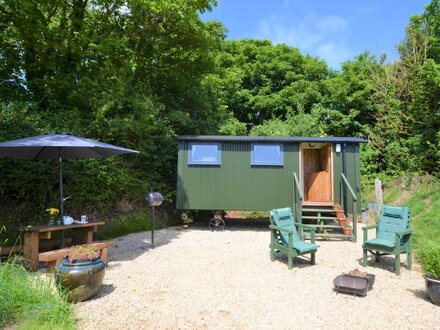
[309, 174]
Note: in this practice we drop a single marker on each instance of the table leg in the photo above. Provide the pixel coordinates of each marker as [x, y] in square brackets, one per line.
[84, 236]
[30, 249]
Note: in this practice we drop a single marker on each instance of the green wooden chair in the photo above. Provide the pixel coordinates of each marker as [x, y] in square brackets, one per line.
[393, 236]
[285, 238]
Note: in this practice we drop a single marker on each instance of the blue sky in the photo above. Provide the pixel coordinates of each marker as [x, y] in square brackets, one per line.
[332, 30]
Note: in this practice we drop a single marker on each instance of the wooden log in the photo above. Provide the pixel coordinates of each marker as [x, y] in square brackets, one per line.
[378, 194]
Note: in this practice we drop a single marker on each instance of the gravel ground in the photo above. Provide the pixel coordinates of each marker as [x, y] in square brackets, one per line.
[198, 279]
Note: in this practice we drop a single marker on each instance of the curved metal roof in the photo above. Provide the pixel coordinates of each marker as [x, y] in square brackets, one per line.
[297, 139]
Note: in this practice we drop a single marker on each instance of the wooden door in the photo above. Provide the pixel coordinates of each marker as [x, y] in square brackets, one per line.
[317, 174]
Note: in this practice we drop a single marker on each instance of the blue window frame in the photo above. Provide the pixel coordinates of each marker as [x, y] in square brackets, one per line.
[267, 154]
[204, 154]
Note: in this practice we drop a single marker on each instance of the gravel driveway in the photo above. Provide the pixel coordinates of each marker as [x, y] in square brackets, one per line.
[198, 279]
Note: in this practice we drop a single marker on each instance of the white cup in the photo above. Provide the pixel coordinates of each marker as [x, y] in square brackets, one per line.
[67, 220]
[84, 218]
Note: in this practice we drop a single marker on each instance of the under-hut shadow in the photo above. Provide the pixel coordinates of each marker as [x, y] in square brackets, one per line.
[234, 224]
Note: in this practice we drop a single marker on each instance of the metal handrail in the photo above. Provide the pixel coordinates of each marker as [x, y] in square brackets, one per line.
[353, 195]
[344, 178]
[297, 198]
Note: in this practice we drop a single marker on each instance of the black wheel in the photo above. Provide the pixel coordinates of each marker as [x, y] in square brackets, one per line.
[217, 224]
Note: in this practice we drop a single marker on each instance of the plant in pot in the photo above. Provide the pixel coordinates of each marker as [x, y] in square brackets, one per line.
[52, 212]
[429, 256]
[347, 228]
[81, 272]
[342, 222]
[336, 206]
[340, 213]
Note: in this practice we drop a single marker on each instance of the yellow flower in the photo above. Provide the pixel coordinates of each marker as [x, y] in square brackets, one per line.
[52, 211]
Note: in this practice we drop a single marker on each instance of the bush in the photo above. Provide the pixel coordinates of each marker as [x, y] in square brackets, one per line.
[31, 302]
[138, 220]
[428, 254]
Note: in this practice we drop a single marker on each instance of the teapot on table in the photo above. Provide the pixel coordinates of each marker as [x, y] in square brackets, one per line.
[67, 220]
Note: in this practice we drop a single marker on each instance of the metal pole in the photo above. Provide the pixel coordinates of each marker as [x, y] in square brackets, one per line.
[61, 190]
[152, 226]
[61, 196]
[344, 201]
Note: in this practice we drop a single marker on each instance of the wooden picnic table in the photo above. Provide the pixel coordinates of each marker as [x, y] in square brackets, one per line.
[33, 234]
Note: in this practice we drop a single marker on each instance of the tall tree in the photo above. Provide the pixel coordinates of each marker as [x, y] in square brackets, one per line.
[125, 72]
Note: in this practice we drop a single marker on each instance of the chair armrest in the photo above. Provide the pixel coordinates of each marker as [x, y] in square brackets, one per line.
[405, 232]
[365, 231]
[289, 231]
[311, 228]
[369, 227]
[401, 234]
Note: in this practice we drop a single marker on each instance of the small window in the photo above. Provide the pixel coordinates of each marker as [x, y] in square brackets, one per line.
[267, 154]
[204, 154]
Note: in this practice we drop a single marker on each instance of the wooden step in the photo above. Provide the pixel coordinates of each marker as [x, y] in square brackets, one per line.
[324, 226]
[318, 210]
[317, 217]
[331, 235]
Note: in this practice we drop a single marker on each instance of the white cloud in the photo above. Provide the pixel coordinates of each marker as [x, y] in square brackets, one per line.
[325, 37]
[334, 54]
[331, 24]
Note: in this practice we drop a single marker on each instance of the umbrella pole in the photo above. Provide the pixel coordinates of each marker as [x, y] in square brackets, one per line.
[61, 198]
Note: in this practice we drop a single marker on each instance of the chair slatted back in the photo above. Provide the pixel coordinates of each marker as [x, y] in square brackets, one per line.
[393, 219]
[284, 218]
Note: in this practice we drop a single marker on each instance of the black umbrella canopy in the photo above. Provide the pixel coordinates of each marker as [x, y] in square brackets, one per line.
[59, 145]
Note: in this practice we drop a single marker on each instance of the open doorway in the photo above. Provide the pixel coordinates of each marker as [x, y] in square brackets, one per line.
[317, 172]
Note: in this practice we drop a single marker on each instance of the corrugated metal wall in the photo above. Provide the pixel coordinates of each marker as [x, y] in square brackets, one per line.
[353, 173]
[235, 185]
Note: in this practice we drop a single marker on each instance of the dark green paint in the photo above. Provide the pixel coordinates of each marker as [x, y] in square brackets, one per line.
[236, 185]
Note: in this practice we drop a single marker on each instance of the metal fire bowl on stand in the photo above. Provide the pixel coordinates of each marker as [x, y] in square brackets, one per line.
[153, 199]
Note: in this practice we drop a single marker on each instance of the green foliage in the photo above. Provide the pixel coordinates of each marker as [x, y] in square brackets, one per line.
[300, 124]
[257, 214]
[139, 73]
[138, 220]
[429, 256]
[31, 302]
[422, 195]
[233, 127]
[132, 73]
[260, 81]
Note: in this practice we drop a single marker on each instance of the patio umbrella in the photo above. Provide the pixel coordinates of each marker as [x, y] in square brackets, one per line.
[59, 146]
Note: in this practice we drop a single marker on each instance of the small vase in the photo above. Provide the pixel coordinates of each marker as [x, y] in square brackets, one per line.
[51, 221]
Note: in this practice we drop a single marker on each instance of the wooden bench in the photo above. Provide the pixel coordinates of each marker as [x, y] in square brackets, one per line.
[45, 244]
[54, 258]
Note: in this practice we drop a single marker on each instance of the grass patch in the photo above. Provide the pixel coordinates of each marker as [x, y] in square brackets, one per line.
[31, 302]
[424, 203]
[138, 221]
